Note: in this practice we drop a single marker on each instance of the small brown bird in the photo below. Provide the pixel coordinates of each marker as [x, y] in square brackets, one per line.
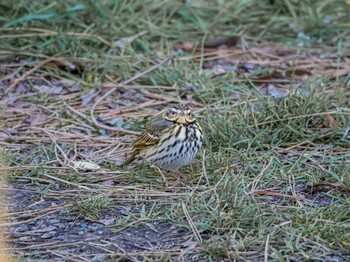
[170, 141]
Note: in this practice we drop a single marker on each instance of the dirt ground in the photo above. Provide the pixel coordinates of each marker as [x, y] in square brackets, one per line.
[57, 232]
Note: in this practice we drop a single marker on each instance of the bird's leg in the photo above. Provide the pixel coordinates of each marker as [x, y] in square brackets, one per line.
[166, 181]
[178, 175]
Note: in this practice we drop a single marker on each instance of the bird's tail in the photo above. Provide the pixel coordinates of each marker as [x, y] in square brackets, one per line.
[131, 158]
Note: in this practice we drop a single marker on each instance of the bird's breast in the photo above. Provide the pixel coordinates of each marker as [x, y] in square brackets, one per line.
[178, 145]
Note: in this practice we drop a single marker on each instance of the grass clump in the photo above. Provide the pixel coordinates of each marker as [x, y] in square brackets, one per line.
[92, 206]
[268, 122]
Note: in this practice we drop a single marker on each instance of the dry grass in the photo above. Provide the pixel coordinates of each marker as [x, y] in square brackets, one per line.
[4, 245]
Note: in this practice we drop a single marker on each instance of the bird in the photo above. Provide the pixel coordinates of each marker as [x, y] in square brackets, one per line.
[170, 140]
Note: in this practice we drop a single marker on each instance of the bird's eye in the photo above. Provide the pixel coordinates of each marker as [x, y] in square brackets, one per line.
[172, 112]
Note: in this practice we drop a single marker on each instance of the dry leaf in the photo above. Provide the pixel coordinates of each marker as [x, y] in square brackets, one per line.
[107, 222]
[221, 41]
[50, 90]
[127, 40]
[85, 165]
[329, 121]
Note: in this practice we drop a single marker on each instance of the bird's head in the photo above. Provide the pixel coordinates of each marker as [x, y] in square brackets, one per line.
[179, 114]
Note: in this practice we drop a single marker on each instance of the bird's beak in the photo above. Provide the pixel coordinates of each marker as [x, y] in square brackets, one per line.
[181, 119]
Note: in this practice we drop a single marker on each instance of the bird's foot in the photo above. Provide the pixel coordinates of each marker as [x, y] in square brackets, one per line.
[179, 176]
[166, 181]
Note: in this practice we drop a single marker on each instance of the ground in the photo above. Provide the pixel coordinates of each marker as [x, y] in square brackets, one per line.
[269, 84]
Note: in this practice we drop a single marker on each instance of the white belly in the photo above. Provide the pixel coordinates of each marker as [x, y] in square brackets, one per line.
[175, 152]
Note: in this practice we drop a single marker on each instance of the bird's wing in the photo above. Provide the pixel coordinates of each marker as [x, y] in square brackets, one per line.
[152, 134]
